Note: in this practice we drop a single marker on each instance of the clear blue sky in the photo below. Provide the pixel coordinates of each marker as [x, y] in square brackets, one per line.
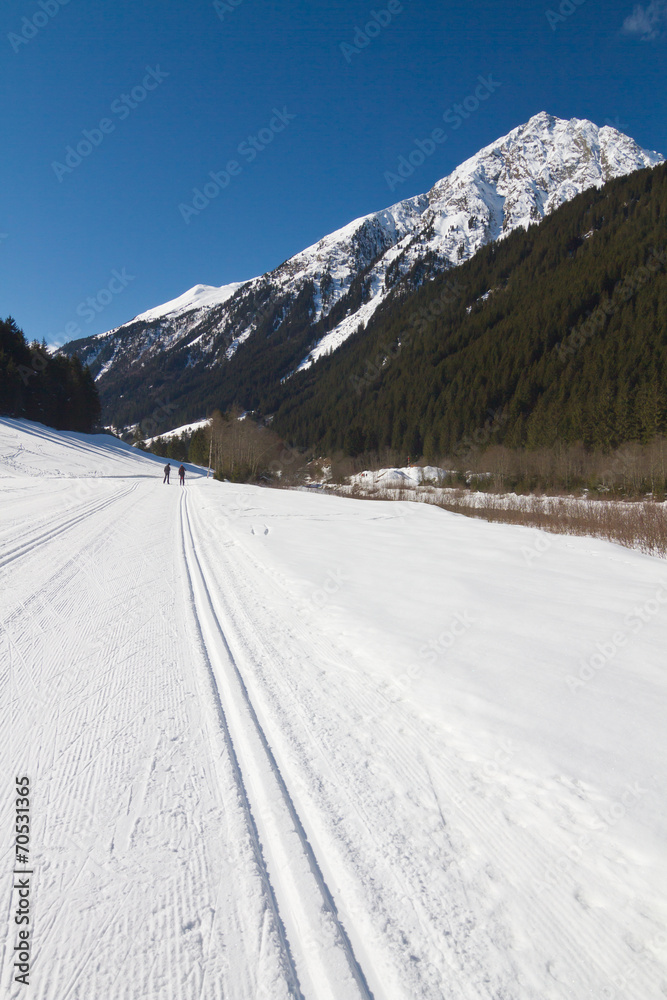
[64, 232]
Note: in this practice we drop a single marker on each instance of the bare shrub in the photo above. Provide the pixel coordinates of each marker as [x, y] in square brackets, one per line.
[632, 470]
[245, 451]
[641, 525]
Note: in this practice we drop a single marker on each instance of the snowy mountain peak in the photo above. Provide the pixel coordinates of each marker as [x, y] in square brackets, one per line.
[525, 175]
[198, 297]
[332, 288]
[514, 181]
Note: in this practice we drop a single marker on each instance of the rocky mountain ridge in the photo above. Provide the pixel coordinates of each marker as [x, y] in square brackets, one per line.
[309, 305]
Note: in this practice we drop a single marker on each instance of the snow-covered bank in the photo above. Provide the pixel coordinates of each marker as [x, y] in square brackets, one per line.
[177, 431]
[462, 721]
[29, 449]
[638, 524]
[426, 484]
[404, 478]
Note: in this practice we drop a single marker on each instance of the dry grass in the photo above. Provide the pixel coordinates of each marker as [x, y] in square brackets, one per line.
[638, 525]
[641, 525]
[631, 471]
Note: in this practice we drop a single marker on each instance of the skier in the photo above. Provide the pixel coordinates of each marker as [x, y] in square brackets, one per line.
[167, 470]
[181, 473]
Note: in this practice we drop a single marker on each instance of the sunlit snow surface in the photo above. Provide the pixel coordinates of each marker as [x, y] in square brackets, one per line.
[177, 431]
[467, 719]
[199, 297]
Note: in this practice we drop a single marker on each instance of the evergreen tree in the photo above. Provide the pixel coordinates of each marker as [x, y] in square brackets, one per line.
[53, 389]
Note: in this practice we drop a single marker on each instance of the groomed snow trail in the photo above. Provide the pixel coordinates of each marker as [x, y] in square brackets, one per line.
[147, 879]
[286, 746]
[325, 955]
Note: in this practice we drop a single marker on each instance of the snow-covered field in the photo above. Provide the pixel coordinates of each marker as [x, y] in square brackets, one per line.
[286, 744]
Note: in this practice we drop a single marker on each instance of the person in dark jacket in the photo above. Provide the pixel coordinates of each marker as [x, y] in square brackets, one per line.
[167, 470]
[181, 474]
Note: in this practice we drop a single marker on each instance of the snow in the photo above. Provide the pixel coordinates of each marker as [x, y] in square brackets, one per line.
[514, 181]
[350, 324]
[405, 478]
[286, 744]
[183, 429]
[199, 297]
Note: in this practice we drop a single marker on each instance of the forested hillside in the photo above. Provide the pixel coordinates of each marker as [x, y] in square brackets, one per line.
[53, 389]
[214, 347]
[554, 334]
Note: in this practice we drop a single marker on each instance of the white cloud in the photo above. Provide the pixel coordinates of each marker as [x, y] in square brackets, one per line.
[645, 22]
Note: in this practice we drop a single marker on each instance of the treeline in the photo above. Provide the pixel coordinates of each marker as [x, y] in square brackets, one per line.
[283, 336]
[55, 390]
[632, 470]
[186, 447]
[242, 450]
[557, 335]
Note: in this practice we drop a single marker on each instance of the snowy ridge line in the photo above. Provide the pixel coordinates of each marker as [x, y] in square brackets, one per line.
[510, 183]
[83, 512]
[193, 569]
[309, 901]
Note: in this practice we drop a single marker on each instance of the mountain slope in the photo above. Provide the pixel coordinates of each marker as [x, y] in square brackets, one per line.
[192, 301]
[558, 334]
[515, 181]
[206, 353]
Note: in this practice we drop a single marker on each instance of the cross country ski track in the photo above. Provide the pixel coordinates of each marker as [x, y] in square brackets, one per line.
[264, 767]
[33, 539]
[135, 797]
[324, 954]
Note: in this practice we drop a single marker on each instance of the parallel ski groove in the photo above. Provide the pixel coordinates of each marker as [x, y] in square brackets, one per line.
[83, 512]
[292, 977]
[328, 902]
